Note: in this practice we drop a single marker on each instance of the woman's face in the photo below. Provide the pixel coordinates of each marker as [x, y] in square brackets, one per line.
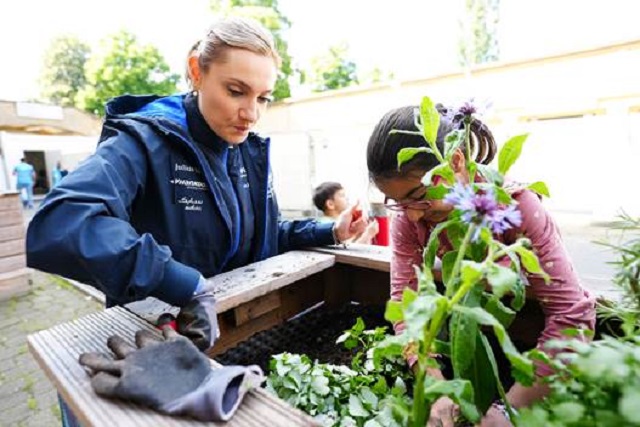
[407, 193]
[234, 92]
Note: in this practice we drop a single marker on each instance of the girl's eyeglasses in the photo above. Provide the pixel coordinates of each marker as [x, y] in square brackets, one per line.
[392, 205]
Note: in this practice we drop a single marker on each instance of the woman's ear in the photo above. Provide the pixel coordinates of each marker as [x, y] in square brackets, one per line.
[194, 72]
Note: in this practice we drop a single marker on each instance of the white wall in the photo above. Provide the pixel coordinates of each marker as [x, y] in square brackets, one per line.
[589, 162]
[73, 149]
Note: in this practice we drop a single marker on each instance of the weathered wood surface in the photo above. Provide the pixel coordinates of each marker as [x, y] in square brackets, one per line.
[366, 256]
[10, 201]
[245, 284]
[57, 350]
[12, 232]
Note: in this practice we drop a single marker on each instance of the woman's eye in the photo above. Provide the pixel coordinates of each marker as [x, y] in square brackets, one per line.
[264, 100]
[235, 92]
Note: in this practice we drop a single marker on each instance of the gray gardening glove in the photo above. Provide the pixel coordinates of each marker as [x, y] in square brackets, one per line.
[198, 321]
[171, 376]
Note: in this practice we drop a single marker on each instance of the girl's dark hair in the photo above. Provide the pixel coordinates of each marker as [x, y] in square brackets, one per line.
[383, 148]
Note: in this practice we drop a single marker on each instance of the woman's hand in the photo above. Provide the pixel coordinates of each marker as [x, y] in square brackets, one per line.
[346, 227]
[443, 413]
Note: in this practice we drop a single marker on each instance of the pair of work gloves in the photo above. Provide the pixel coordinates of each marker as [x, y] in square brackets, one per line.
[171, 374]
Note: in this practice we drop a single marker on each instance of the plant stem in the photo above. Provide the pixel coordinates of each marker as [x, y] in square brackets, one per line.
[419, 409]
[458, 263]
[467, 139]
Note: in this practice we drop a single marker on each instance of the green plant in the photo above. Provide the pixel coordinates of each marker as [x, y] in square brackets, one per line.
[598, 383]
[477, 272]
[339, 395]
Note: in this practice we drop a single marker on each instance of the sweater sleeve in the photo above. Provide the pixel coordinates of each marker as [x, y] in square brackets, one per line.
[564, 302]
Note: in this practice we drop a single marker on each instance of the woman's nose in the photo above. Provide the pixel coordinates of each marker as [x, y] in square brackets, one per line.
[249, 112]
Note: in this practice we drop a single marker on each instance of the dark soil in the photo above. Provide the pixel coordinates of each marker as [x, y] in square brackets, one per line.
[313, 333]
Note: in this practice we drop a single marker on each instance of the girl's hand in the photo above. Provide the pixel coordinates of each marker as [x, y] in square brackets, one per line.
[443, 413]
[495, 418]
[348, 225]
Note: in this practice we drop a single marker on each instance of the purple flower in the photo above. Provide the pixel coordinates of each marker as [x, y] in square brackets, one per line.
[482, 209]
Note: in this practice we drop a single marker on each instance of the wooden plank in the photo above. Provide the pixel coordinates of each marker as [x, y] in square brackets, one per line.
[14, 283]
[370, 286]
[57, 350]
[12, 263]
[11, 247]
[294, 299]
[367, 256]
[11, 217]
[337, 285]
[10, 201]
[244, 284]
[12, 232]
[256, 308]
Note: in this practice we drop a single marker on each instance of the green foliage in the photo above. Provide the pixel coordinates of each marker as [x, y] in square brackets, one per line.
[124, 66]
[63, 74]
[332, 70]
[478, 43]
[366, 394]
[268, 14]
[597, 384]
[627, 277]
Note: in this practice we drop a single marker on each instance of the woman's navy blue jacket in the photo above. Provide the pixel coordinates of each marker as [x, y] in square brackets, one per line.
[144, 215]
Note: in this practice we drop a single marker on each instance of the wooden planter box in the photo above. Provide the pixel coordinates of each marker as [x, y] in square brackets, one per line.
[250, 299]
[14, 275]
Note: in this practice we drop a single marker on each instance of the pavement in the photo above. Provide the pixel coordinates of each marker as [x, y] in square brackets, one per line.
[27, 398]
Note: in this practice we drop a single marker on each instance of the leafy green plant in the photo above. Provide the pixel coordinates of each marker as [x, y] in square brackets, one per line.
[598, 383]
[477, 272]
[339, 395]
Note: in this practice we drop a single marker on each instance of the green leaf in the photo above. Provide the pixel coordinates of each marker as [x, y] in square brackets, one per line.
[420, 312]
[356, 409]
[502, 196]
[510, 152]
[495, 382]
[530, 262]
[406, 154]
[501, 279]
[369, 398]
[497, 309]
[471, 272]
[444, 170]
[436, 193]
[463, 330]
[408, 296]
[358, 327]
[448, 261]
[460, 391]
[522, 367]
[629, 404]
[394, 312]
[491, 175]
[430, 120]
[540, 188]
[572, 412]
[320, 385]
[432, 244]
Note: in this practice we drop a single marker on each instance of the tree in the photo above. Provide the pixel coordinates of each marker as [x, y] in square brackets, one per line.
[267, 13]
[63, 75]
[479, 40]
[332, 70]
[125, 66]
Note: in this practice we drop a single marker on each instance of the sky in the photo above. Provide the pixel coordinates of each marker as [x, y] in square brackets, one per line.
[411, 38]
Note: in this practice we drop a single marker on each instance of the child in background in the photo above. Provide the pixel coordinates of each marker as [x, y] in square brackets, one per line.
[331, 199]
